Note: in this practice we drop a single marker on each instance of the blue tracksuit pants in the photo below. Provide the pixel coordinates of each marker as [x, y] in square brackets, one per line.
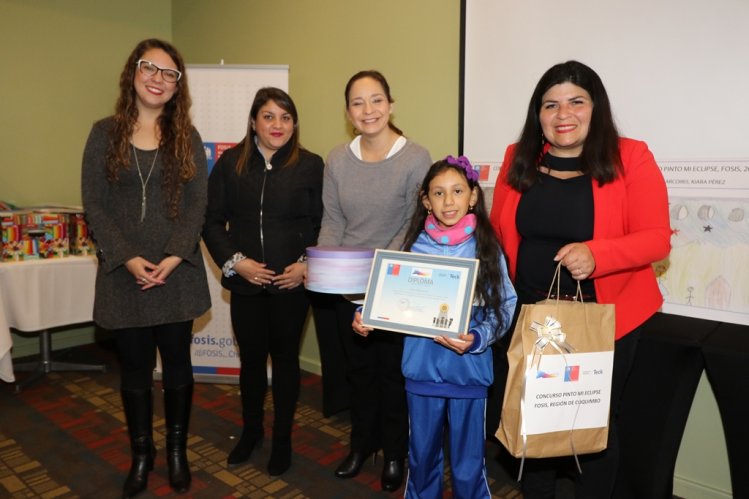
[465, 418]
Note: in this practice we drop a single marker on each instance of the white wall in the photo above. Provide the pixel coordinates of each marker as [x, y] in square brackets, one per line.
[676, 71]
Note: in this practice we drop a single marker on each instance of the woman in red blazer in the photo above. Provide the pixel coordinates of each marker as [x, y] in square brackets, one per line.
[573, 191]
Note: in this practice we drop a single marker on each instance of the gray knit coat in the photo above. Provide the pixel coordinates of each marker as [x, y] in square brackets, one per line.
[113, 212]
[369, 205]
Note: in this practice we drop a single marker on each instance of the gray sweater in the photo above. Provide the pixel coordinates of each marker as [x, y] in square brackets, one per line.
[113, 213]
[369, 205]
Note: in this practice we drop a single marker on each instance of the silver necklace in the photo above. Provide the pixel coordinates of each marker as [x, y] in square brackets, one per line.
[144, 183]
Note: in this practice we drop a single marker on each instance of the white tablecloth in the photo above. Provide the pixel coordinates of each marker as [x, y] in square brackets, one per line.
[6, 342]
[40, 294]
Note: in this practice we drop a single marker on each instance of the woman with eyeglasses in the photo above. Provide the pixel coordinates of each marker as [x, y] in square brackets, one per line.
[144, 191]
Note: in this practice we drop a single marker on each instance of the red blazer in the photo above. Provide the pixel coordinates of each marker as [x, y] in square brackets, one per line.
[631, 230]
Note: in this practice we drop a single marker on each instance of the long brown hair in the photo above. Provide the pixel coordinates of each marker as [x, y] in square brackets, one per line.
[175, 127]
[282, 100]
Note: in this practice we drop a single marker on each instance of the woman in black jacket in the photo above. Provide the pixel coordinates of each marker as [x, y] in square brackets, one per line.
[264, 209]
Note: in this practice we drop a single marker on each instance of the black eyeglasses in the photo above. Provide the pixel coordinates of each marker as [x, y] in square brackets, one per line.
[150, 69]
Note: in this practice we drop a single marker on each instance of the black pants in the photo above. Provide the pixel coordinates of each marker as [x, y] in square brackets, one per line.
[137, 351]
[726, 354]
[269, 324]
[599, 469]
[379, 411]
[336, 390]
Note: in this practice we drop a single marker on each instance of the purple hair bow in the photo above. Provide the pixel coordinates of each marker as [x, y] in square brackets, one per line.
[463, 162]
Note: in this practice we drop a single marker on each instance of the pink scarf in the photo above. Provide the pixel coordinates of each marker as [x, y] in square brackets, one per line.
[451, 236]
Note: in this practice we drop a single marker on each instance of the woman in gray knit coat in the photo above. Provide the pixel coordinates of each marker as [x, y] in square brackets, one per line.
[144, 192]
[369, 192]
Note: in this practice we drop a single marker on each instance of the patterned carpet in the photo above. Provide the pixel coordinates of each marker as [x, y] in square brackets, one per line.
[65, 437]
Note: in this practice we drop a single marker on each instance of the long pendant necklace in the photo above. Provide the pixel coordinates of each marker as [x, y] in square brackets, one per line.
[143, 183]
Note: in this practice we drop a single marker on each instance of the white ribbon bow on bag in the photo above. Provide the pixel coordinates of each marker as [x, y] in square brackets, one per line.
[550, 333]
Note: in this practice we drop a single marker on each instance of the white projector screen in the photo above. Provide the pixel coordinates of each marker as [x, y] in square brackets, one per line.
[677, 74]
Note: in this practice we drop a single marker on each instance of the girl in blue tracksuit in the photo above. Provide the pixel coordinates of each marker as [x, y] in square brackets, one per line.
[446, 378]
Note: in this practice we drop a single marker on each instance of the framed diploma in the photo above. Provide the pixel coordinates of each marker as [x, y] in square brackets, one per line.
[424, 295]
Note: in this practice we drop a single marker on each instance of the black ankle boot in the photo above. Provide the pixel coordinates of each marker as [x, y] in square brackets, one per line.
[351, 465]
[280, 456]
[177, 404]
[248, 442]
[392, 475]
[138, 407]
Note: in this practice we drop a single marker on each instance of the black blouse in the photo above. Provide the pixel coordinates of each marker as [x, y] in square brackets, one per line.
[552, 213]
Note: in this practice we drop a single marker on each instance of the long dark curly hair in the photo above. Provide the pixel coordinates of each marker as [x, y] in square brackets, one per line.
[489, 279]
[175, 127]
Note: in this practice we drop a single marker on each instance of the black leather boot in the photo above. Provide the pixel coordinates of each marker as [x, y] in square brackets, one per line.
[177, 404]
[138, 407]
[248, 442]
[392, 475]
[351, 465]
[280, 456]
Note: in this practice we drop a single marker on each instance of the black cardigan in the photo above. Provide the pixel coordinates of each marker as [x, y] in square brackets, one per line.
[291, 212]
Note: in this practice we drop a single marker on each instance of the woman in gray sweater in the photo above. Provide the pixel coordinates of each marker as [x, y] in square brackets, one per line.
[144, 192]
[369, 191]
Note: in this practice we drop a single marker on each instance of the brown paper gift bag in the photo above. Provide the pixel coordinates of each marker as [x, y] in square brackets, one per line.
[559, 381]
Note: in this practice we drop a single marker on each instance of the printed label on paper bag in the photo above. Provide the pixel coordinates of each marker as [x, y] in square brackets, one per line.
[562, 396]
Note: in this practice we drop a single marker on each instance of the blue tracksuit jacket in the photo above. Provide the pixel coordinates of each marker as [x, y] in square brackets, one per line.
[433, 370]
